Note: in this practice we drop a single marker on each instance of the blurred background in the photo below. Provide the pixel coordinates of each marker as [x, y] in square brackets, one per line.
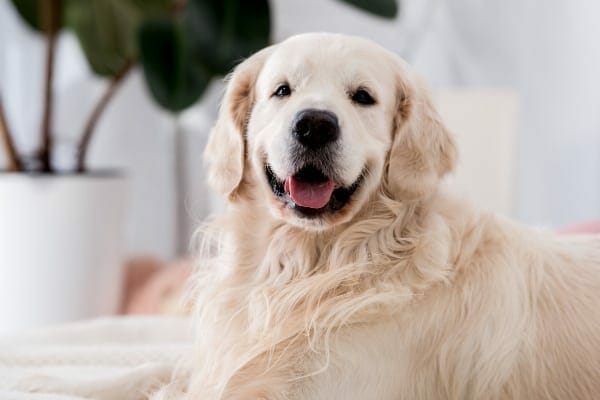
[516, 80]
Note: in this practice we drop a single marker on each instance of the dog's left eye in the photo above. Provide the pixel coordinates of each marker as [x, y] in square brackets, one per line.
[283, 90]
[361, 96]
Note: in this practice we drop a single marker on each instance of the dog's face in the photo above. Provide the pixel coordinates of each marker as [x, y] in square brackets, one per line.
[320, 122]
[321, 126]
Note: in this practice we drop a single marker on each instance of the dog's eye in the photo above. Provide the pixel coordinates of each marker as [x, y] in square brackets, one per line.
[361, 96]
[283, 90]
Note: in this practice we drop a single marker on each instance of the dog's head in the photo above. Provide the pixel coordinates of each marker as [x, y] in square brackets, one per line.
[315, 125]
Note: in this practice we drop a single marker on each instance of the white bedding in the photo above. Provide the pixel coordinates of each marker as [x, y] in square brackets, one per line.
[110, 358]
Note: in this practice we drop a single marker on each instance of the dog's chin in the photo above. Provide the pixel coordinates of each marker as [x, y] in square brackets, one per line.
[311, 199]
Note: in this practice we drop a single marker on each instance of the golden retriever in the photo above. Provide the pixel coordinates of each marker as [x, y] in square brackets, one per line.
[345, 269]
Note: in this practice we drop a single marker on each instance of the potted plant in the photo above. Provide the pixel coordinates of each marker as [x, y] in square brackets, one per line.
[60, 232]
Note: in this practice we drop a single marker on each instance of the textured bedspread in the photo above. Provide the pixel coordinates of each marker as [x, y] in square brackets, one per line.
[111, 358]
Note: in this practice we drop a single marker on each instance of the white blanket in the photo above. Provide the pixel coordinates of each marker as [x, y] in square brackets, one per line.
[110, 358]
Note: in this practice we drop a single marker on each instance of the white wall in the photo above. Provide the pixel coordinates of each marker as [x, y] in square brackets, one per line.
[544, 49]
[548, 51]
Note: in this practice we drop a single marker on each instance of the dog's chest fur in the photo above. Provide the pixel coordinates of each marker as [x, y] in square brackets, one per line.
[450, 315]
[362, 364]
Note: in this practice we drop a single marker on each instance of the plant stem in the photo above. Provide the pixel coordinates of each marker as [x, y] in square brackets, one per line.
[51, 13]
[97, 112]
[14, 162]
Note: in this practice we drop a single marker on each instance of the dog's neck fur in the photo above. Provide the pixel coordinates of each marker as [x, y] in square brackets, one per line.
[269, 249]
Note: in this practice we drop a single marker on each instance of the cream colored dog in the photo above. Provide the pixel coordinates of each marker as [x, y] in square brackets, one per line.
[343, 269]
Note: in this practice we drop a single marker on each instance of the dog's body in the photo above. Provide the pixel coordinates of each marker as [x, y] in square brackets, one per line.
[345, 270]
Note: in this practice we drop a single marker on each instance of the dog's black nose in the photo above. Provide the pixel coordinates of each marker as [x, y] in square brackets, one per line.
[315, 128]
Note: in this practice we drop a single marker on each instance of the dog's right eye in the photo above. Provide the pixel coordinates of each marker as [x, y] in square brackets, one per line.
[361, 96]
[283, 90]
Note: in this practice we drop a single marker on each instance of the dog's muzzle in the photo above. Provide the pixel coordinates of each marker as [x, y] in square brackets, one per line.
[313, 187]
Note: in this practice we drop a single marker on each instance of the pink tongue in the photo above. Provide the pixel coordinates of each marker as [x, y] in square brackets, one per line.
[309, 194]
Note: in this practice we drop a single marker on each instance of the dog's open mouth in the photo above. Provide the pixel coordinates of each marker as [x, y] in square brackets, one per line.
[311, 192]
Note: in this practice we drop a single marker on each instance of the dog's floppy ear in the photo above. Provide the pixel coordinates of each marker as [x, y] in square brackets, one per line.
[422, 149]
[226, 148]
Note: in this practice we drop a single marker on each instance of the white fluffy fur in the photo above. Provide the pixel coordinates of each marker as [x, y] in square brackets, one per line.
[409, 293]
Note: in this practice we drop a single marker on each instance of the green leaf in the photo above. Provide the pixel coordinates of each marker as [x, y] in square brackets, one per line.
[382, 8]
[30, 11]
[38, 13]
[181, 55]
[225, 31]
[174, 78]
[106, 29]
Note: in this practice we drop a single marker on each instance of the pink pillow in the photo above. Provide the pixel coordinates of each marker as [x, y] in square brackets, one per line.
[584, 227]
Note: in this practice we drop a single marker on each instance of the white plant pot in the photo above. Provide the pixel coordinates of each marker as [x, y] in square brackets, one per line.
[60, 248]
